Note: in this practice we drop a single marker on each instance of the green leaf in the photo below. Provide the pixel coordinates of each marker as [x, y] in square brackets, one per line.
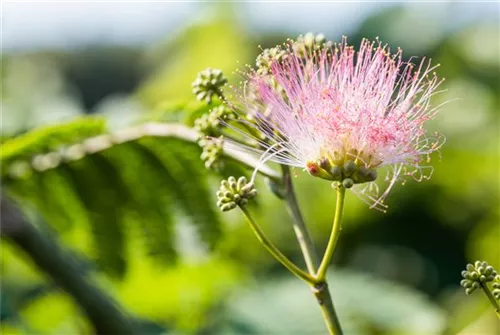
[150, 202]
[103, 193]
[48, 139]
[189, 183]
[111, 182]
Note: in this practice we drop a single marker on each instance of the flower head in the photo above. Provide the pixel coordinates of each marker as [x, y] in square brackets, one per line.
[342, 114]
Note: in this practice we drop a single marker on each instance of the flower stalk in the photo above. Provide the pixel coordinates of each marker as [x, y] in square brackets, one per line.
[299, 226]
[322, 294]
[334, 235]
[274, 251]
[492, 299]
[320, 288]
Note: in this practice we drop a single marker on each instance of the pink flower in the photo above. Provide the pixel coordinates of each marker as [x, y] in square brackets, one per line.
[342, 115]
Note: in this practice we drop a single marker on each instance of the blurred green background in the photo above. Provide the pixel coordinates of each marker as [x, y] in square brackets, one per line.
[141, 216]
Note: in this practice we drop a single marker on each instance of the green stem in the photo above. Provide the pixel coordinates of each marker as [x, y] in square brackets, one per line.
[322, 294]
[491, 298]
[299, 226]
[334, 236]
[320, 289]
[275, 252]
[164, 130]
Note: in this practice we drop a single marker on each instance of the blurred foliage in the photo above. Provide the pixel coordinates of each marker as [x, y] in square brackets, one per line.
[217, 43]
[366, 305]
[141, 215]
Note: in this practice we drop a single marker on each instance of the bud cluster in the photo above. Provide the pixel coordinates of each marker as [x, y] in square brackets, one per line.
[208, 127]
[208, 83]
[234, 193]
[308, 43]
[267, 57]
[212, 151]
[348, 173]
[477, 274]
[209, 124]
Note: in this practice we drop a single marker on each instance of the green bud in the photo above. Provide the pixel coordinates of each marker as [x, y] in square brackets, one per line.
[477, 274]
[347, 183]
[234, 193]
[242, 181]
[212, 152]
[372, 175]
[336, 172]
[349, 168]
[308, 43]
[468, 284]
[251, 194]
[249, 187]
[267, 57]
[208, 83]
[228, 206]
[469, 291]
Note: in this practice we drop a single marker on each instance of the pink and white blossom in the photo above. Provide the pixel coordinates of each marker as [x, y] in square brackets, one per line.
[332, 106]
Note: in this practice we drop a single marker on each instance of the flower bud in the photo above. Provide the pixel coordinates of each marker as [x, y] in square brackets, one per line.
[212, 151]
[208, 83]
[234, 193]
[267, 57]
[349, 168]
[347, 183]
[477, 274]
[310, 42]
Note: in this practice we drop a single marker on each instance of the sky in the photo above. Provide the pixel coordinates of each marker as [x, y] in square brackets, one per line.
[35, 25]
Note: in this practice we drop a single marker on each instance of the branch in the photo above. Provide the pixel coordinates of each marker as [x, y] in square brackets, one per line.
[103, 142]
[299, 226]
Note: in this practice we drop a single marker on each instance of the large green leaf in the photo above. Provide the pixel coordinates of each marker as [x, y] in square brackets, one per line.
[109, 181]
[186, 171]
[49, 138]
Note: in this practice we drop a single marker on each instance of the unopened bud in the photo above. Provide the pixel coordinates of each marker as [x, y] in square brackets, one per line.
[267, 57]
[208, 84]
[349, 168]
[234, 193]
[347, 183]
[212, 151]
[477, 274]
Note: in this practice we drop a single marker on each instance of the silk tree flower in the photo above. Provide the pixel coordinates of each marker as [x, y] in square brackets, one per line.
[343, 115]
